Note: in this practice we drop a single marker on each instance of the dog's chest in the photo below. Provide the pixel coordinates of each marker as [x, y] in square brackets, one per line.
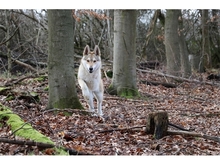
[92, 81]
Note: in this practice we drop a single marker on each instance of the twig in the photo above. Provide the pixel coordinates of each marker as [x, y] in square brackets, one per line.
[9, 37]
[85, 112]
[32, 18]
[19, 62]
[178, 127]
[24, 64]
[122, 129]
[16, 81]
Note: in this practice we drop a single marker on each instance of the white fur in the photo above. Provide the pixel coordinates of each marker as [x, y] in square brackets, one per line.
[89, 78]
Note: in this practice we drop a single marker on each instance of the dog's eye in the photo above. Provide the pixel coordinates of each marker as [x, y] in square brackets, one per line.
[94, 61]
[87, 60]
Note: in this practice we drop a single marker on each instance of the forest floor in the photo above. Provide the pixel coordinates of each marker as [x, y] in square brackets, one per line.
[194, 106]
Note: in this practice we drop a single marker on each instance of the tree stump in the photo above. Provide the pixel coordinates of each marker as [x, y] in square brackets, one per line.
[157, 124]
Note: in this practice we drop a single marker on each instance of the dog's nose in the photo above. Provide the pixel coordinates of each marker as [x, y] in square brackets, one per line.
[90, 69]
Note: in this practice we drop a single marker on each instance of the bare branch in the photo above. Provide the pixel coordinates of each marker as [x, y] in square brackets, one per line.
[9, 37]
[3, 28]
[32, 18]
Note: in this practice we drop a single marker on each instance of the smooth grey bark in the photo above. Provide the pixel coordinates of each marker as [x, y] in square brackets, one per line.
[171, 43]
[214, 39]
[124, 55]
[206, 53]
[184, 55]
[62, 89]
[176, 50]
[7, 16]
[110, 27]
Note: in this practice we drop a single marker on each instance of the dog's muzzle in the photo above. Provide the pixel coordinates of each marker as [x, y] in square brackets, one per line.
[90, 70]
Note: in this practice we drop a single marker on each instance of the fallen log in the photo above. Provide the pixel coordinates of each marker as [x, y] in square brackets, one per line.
[42, 145]
[168, 132]
[181, 79]
[194, 134]
[18, 80]
[167, 85]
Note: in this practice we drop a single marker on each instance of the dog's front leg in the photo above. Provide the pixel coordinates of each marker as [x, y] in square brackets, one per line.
[99, 98]
[87, 94]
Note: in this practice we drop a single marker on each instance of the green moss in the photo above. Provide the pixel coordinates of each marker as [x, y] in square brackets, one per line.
[128, 93]
[3, 90]
[25, 130]
[41, 78]
[60, 151]
[123, 92]
[10, 97]
[46, 88]
[68, 103]
[22, 129]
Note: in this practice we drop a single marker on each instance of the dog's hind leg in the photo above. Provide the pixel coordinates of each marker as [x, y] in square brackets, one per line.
[87, 94]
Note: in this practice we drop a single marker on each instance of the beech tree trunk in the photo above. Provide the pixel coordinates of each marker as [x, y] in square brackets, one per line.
[109, 52]
[7, 16]
[206, 53]
[124, 56]
[62, 88]
[176, 50]
[184, 55]
[171, 43]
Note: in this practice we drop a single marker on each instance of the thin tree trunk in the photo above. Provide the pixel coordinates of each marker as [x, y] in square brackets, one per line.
[206, 54]
[110, 14]
[215, 39]
[8, 43]
[184, 55]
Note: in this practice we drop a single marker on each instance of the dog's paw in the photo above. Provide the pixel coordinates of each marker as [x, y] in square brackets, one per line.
[100, 114]
[92, 110]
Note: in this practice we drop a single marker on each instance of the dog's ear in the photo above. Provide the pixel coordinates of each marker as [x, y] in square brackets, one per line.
[97, 51]
[86, 50]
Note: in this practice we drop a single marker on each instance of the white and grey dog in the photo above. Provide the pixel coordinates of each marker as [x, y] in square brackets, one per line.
[89, 77]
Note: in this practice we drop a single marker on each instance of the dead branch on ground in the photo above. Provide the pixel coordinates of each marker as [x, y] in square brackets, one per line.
[194, 134]
[178, 78]
[16, 81]
[42, 145]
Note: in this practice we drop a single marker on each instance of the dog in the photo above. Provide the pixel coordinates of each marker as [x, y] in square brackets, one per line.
[89, 78]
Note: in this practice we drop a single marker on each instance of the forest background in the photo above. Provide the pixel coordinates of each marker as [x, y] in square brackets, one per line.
[158, 54]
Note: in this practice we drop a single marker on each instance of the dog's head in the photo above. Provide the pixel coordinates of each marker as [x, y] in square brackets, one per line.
[91, 59]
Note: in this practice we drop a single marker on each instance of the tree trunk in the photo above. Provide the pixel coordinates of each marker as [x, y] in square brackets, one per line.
[62, 88]
[184, 55]
[7, 16]
[124, 56]
[215, 39]
[206, 54]
[172, 43]
[110, 13]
